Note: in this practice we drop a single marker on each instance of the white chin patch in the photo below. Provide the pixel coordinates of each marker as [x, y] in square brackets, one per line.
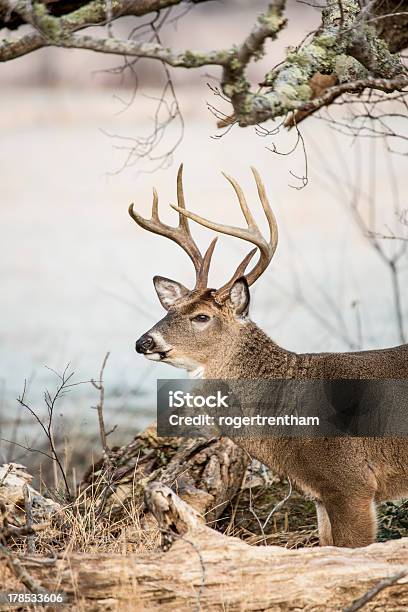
[153, 356]
[184, 364]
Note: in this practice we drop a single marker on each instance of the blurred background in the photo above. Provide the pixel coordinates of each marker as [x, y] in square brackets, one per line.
[76, 272]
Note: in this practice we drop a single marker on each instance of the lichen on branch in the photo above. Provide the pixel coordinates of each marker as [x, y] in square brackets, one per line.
[347, 47]
[332, 51]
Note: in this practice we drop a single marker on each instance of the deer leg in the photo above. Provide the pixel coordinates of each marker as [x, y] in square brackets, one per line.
[353, 521]
[324, 526]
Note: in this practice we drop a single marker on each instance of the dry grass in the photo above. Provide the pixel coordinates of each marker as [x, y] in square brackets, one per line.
[80, 526]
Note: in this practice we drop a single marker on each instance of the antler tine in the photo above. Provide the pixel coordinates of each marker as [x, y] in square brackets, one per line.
[250, 234]
[273, 226]
[183, 221]
[242, 201]
[268, 249]
[222, 293]
[202, 276]
[180, 235]
[155, 205]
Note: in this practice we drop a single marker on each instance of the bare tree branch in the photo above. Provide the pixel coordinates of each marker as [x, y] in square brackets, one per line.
[350, 47]
[387, 85]
[48, 27]
[133, 48]
[81, 12]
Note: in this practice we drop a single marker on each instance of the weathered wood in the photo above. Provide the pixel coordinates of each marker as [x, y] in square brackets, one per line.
[205, 473]
[15, 484]
[206, 570]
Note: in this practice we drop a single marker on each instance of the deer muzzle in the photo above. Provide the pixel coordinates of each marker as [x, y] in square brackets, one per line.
[144, 344]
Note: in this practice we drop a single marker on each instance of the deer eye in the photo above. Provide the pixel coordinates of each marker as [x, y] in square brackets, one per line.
[201, 318]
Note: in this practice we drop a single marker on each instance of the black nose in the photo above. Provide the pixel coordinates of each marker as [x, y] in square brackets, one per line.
[144, 344]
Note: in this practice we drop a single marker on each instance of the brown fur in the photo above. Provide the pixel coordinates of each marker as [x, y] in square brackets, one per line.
[345, 476]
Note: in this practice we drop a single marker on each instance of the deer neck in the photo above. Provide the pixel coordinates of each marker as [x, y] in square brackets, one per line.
[250, 353]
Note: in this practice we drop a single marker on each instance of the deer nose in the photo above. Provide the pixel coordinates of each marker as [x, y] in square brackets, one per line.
[144, 343]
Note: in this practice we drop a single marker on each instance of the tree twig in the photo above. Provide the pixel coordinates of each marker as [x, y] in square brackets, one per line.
[29, 519]
[100, 406]
[380, 586]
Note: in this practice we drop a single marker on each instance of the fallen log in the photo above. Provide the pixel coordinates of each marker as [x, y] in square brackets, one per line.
[207, 473]
[205, 570]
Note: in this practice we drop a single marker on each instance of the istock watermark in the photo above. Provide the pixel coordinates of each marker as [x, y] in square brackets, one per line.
[238, 422]
[180, 399]
[279, 407]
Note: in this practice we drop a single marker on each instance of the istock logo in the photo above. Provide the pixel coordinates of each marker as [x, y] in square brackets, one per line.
[180, 399]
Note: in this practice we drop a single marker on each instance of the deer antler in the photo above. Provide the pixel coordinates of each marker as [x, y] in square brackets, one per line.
[180, 234]
[250, 234]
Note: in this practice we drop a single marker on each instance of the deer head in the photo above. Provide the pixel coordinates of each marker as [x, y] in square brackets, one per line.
[198, 320]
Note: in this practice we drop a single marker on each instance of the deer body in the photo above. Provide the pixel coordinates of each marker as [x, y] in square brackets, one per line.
[346, 475]
[208, 333]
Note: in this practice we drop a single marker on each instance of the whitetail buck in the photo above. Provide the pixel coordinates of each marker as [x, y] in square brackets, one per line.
[208, 332]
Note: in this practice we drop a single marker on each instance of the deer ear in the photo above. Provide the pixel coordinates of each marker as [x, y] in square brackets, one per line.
[168, 291]
[239, 297]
